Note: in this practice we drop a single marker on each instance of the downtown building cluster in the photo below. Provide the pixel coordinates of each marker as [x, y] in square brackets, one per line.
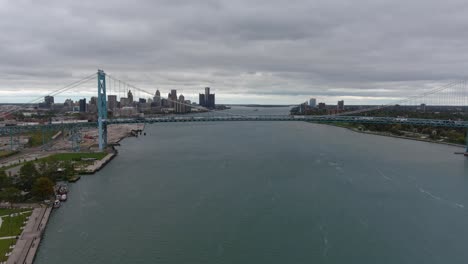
[129, 106]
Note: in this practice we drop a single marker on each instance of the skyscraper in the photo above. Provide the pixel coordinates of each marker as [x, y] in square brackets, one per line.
[173, 97]
[201, 99]
[111, 102]
[180, 105]
[130, 97]
[313, 102]
[207, 100]
[83, 105]
[157, 98]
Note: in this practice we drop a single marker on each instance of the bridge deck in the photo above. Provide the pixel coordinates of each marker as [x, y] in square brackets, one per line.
[319, 119]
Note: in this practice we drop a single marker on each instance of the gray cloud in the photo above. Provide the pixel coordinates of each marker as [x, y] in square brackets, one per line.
[271, 51]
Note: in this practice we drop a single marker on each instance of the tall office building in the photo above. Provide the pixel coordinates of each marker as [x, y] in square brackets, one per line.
[157, 98]
[207, 100]
[312, 102]
[130, 97]
[111, 102]
[211, 101]
[201, 99]
[48, 101]
[180, 105]
[340, 106]
[172, 97]
[83, 105]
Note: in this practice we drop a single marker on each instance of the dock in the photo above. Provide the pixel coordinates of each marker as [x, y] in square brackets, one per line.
[97, 165]
[28, 242]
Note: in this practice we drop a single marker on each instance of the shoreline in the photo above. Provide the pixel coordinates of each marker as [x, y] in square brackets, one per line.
[28, 242]
[383, 134]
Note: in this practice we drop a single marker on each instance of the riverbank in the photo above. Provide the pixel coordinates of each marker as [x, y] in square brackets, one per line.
[28, 242]
[385, 134]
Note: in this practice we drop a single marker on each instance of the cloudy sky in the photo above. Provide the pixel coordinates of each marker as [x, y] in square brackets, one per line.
[248, 51]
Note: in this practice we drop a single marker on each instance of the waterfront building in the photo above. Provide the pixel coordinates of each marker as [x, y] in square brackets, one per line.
[322, 106]
[128, 111]
[207, 99]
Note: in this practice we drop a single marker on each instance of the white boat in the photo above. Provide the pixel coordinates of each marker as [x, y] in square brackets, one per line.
[56, 204]
[63, 197]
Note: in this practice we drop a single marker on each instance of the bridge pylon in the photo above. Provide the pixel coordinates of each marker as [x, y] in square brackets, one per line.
[102, 110]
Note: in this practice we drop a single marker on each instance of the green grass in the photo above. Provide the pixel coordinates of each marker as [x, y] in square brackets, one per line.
[5, 247]
[11, 226]
[64, 157]
[8, 211]
[37, 137]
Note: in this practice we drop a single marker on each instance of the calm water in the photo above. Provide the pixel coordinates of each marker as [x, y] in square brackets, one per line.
[266, 192]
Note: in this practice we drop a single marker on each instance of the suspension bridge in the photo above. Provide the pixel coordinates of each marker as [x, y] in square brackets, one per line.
[454, 94]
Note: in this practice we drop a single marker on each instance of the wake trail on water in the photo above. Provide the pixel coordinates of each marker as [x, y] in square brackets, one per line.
[424, 191]
[326, 246]
[383, 175]
[438, 198]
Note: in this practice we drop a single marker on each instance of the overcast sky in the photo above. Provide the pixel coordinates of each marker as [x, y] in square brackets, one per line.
[248, 51]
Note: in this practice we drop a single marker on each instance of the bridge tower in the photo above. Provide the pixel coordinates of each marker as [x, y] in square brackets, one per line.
[466, 139]
[102, 110]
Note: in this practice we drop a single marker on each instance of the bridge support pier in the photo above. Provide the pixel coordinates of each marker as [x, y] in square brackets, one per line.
[102, 110]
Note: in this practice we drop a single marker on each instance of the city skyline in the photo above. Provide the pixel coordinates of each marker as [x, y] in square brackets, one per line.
[361, 56]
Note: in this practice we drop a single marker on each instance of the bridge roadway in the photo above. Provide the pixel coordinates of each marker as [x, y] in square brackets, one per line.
[7, 130]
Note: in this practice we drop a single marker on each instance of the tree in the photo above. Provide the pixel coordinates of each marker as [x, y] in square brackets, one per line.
[10, 194]
[28, 175]
[5, 181]
[69, 169]
[43, 188]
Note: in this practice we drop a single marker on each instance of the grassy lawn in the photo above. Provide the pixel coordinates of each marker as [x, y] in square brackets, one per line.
[5, 247]
[8, 211]
[65, 157]
[11, 226]
[36, 137]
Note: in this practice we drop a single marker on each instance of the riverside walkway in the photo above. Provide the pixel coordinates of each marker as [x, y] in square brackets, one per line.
[28, 242]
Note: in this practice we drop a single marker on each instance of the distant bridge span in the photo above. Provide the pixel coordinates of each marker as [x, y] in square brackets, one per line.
[315, 119]
[271, 118]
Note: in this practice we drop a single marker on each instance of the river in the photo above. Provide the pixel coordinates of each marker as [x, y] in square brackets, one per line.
[265, 192]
